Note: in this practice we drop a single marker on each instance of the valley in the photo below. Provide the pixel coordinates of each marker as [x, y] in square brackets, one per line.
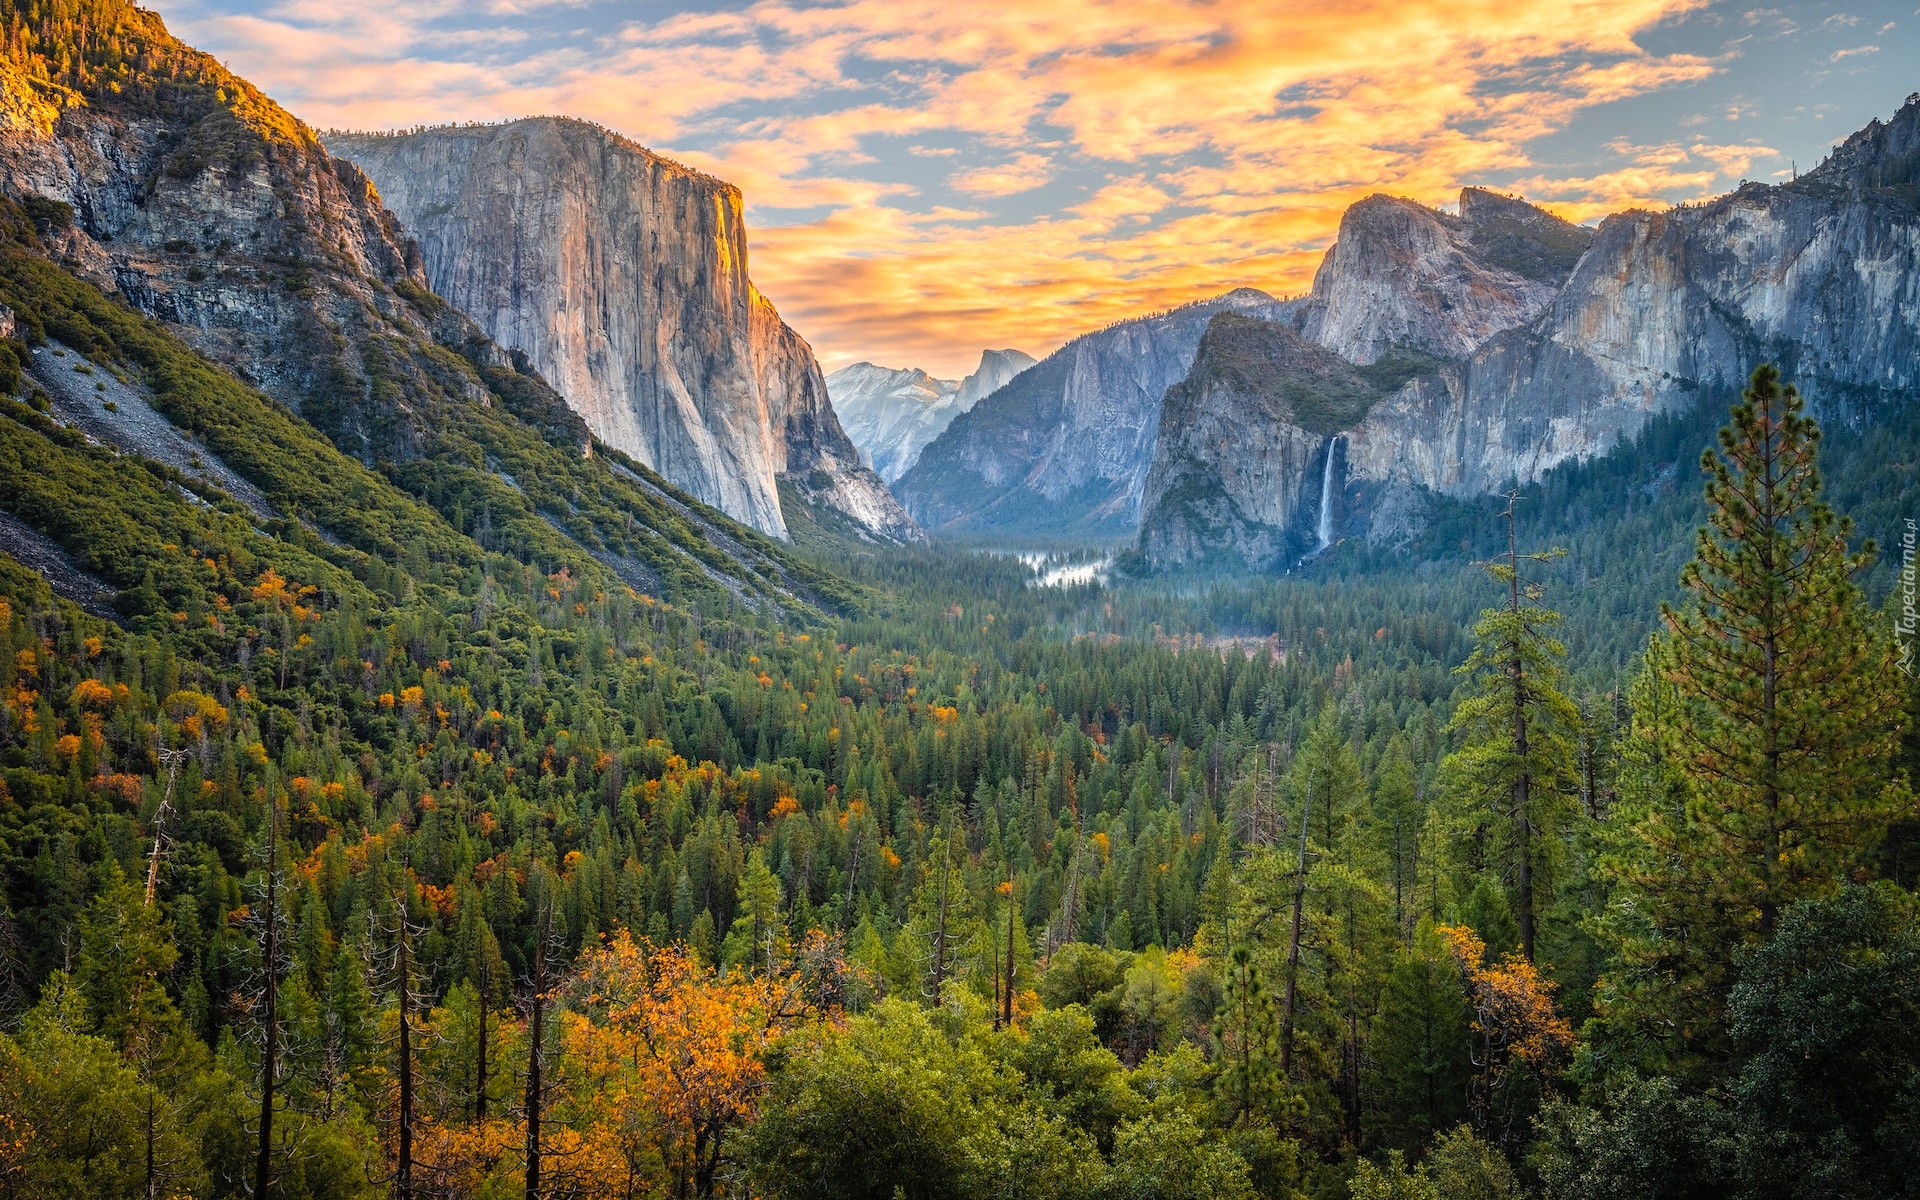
[484, 713]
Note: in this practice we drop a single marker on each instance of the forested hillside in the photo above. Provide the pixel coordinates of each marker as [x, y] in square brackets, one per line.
[979, 888]
[411, 798]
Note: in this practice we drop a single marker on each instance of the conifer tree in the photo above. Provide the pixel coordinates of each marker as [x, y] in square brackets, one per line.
[1786, 714]
[1759, 765]
[1511, 779]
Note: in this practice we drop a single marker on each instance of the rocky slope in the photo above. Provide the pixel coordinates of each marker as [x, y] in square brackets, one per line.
[1821, 275]
[152, 173]
[891, 415]
[1065, 447]
[622, 278]
[1250, 439]
[1402, 275]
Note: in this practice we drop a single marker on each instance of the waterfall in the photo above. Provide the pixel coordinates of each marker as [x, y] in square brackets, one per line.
[1326, 495]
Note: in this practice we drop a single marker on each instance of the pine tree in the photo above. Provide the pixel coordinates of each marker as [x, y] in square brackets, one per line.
[1787, 713]
[1510, 781]
[1759, 766]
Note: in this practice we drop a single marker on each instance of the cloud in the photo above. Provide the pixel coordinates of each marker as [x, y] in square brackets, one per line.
[1855, 52]
[1191, 145]
[1022, 173]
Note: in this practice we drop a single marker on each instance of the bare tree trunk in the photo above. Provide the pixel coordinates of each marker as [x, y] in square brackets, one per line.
[533, 1063]
[940, 923]
[1293, 943]
[480, 1059]
[263, 1165]
[1006, 1011]
[403, 1179]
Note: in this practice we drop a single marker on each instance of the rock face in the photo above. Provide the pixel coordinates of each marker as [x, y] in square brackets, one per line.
[1064, 448]
[1404, 276]
[892, 415]
[202, 202]
[1245, 444]
[1538, 359]
[149, 170]
[622, 278]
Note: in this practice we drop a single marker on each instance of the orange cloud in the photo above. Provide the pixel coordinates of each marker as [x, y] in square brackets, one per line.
[1095, 158]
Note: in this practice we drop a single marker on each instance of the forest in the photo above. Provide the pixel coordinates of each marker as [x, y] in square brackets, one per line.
[383, 838]
[428, 870]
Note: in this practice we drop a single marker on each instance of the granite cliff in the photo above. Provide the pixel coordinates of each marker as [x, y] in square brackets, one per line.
[1547, 345]
[1064, 448]
[1405, 276]
[154, 174]
[891, 415]
[621, 277]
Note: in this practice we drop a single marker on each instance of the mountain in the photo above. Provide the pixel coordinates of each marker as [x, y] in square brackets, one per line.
[621, 277]
[178, 233]
[891, 415]
[1272, 401]
[1401, 275]
[1545, 345]
[1064, 448]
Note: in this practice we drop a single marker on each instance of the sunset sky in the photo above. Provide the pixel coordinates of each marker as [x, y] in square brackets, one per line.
[927, 177]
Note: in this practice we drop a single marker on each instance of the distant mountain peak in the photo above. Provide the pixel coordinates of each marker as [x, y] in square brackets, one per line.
[891, 414]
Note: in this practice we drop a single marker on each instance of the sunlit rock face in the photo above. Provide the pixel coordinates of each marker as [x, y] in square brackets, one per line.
[1545, 344]
[891, 415]
[212, 245]
[1063, 449]
[622, 277]
[1404, 276]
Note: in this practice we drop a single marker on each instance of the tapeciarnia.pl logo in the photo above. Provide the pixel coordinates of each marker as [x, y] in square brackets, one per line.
[1908, 622]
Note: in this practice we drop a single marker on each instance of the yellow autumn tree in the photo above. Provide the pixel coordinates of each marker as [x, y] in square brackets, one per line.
[673, 1052]
[1519, 1034]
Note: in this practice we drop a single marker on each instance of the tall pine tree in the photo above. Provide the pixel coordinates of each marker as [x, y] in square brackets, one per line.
[1788, 712]
[1761, 770]
[1511, 781]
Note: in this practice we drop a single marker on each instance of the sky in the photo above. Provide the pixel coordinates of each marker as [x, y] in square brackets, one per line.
[925, 178]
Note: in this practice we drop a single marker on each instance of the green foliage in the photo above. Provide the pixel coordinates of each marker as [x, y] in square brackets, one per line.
[896, 1108]
[1511, 782]
[1461, 1167]
[1420, 1045]
[1828, 1016]
[1765, 729]
[1647, 1140]
[1169, 1156]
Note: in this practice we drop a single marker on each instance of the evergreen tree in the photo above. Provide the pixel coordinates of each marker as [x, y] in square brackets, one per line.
[1420, 1047]
[1786, 714]
[1759, 766]
[1511, 781]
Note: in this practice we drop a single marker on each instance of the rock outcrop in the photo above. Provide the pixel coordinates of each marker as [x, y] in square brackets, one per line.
[1403, 276]
[1065, 447]
[891, 415]
[1535, 364]
[1247, 441]
[207, 206]
[149, 170]
[622, 278]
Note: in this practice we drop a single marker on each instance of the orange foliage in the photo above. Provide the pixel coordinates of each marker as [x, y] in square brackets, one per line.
[272, 589]
[127, 787]
[676, 1049]
[91, 693]
[1512, 1006]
